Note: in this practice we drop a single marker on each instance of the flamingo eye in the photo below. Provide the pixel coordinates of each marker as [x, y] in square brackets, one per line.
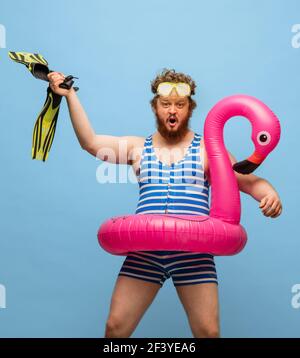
[263, 138]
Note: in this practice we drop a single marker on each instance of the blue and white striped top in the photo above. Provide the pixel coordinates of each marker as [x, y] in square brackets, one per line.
[180, 188]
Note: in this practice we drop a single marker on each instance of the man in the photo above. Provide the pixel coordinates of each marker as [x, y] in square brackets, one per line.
[173, 174]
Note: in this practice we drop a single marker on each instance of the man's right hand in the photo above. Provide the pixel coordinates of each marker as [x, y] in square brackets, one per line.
[55, 79]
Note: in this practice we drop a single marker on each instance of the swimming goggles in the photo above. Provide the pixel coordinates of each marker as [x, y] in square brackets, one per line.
[165, 88]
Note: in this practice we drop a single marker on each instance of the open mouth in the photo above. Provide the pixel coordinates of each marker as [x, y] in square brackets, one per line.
[172, 121]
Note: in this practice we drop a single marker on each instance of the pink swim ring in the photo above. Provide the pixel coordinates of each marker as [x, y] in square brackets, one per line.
[220, 233]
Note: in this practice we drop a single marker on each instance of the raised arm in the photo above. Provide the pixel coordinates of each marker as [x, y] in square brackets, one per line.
[119, 150]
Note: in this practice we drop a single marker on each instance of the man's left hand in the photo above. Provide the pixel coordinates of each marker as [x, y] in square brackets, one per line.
[270, 205]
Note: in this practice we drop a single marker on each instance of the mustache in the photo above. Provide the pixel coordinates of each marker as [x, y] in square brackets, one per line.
[162, 129]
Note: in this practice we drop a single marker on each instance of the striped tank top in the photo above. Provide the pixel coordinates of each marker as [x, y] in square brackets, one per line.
[179, 188]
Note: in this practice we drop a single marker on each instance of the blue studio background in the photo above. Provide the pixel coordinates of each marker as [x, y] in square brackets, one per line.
[58, 281]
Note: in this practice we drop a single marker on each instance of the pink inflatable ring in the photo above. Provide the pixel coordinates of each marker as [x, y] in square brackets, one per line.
[219, 233]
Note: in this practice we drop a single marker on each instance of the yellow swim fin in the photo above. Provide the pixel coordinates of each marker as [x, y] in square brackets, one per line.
[35, 63]
[44, 128]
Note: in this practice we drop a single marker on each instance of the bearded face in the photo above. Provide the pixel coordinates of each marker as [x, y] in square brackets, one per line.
[172, 116]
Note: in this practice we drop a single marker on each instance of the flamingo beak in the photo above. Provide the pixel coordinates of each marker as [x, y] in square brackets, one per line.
[248, 165]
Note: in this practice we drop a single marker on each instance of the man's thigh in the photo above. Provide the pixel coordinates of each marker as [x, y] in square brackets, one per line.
[201, 304]
[131, 298]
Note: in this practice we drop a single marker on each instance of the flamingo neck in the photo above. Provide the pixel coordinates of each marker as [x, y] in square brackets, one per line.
[225, 196]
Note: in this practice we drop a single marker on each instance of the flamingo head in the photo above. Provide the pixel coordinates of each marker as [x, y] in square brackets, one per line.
[265, 137]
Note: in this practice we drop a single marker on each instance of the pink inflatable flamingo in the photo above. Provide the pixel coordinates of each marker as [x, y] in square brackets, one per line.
[219, 233]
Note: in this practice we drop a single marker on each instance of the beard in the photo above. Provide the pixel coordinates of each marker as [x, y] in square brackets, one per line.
[173, 135]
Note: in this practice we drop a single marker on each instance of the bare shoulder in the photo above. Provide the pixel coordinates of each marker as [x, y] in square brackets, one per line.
[136, 145]
[137, 141]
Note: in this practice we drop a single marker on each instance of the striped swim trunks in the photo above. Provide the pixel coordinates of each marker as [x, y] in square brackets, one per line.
[185, 268]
